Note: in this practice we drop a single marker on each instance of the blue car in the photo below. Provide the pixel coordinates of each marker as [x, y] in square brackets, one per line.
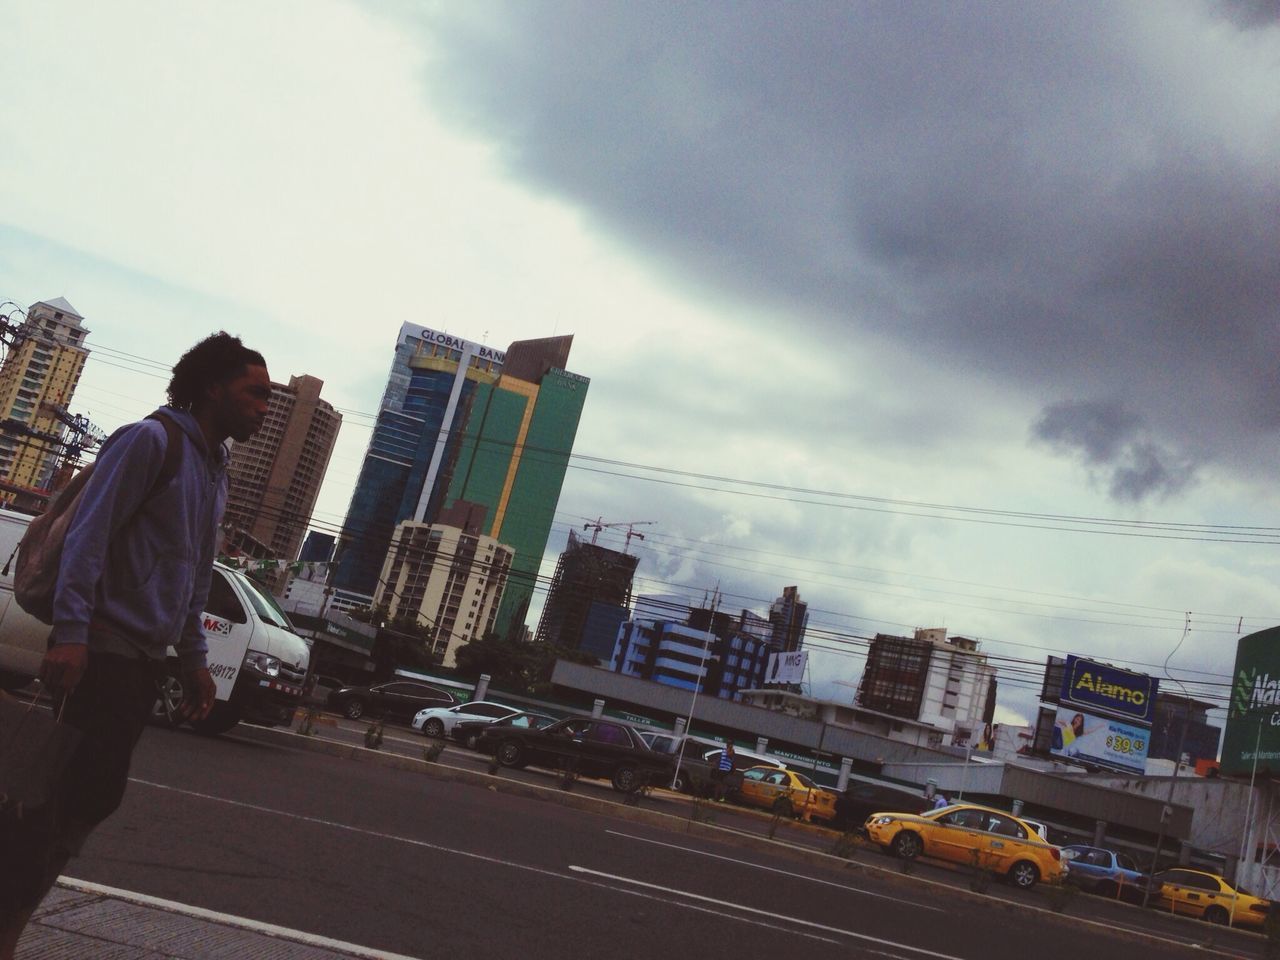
[1104, 872]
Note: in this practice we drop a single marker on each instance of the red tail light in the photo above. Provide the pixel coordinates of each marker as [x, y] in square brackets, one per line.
[1055, 853]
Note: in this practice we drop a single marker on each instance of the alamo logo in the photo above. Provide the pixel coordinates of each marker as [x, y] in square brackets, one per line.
[1111, 691]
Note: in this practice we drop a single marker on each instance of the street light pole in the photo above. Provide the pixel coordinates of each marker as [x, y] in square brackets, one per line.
[688, 725]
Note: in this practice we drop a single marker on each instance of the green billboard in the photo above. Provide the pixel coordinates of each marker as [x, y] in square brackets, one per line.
[1251, 742]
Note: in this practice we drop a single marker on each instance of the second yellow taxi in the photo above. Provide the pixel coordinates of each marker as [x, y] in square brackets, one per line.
[766, 786]
[969, 834]
[1195, 893]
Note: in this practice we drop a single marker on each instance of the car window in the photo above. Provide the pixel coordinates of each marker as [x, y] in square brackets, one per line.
[776, 777]
[1174, 876]
[608, 733]
[492, 710]
[805, 781]
[397, 689]
[1006, 827]
[427, 692]
[754, 775]
[1201, 882]
[967, 819]
[222, 602]
[264, 604]
[1099, 858]
[1126, 861]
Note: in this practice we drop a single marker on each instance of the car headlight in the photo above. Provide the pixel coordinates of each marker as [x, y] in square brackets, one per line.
[881, 821]
[263, 663]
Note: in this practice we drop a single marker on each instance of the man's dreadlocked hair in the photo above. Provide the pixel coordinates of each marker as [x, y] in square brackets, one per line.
[216, 359]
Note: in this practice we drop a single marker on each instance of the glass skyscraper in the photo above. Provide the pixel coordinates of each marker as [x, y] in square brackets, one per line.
[465, 429]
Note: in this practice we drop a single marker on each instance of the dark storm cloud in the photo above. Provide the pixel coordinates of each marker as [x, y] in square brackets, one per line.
[1113, 440]
[1075, 200]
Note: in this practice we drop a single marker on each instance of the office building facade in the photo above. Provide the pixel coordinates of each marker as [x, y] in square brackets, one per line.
[37, 382]
[447, 580]
[275, 476]
[941, 681]
[463, 425]
[789, 616]
[716, 653]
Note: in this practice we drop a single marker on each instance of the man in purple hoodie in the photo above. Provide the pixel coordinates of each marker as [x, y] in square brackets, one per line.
[134, 579]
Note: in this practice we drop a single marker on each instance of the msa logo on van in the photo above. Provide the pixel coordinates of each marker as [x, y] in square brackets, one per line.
[216, 626]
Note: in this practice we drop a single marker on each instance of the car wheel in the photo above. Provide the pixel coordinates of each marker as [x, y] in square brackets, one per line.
[1024, 874]
[1217, 915]
[354, 709]
[164, 712]
[907, 845]
[625, 779]
[433, 727]
[509, 754]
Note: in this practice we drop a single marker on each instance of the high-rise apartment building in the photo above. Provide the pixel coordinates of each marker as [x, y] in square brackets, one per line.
[464, 425]
[789, 616]
[37, 381]
[588, 598]
[931, 678]
[275, 476]
[448, 579]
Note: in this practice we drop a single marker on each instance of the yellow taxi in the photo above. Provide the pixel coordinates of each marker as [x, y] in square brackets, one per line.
[969, 834]
[766, 786]
[1195, 893]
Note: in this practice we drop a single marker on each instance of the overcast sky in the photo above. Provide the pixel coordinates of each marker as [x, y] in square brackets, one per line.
[871, 295]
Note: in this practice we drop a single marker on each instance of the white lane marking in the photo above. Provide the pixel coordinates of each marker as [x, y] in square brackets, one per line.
[473, 856]
[231, 920]
[785, 873]
[730, 905]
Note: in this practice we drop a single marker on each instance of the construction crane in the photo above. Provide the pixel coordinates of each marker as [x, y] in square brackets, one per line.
[599, 525]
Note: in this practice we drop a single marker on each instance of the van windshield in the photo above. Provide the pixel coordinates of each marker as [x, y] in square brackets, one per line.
[264, 604]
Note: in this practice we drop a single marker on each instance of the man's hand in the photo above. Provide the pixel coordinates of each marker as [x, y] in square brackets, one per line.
[198, 694]
[63, 667]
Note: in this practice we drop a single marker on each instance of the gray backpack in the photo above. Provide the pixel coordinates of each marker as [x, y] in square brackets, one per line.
[39, 554]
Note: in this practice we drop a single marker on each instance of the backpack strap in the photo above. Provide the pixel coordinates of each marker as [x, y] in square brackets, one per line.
[172, 452]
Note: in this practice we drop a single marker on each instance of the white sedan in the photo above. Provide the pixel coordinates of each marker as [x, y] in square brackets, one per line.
[440, 721]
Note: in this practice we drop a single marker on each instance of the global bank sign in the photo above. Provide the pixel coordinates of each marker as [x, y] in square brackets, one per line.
[450, 342]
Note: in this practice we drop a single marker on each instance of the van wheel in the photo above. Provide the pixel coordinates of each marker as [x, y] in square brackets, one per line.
[221, 718]
[164, 712]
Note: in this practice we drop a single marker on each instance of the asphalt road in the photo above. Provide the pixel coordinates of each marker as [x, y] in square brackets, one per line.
[403, 862]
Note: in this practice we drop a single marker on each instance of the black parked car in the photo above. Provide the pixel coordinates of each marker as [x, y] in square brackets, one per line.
[395, 700]
[594, 748]
[861, 799]
[467, 732]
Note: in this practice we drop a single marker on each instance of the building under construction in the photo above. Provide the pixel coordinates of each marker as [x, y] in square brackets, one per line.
[588, 599]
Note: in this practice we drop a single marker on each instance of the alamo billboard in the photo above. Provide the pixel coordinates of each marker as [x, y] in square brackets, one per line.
[1253, 716]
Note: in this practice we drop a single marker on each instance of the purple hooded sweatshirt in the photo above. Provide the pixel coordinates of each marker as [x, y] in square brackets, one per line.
[136, 562]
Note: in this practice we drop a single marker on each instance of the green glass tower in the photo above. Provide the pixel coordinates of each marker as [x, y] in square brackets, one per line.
[511, 458]
[471, 437]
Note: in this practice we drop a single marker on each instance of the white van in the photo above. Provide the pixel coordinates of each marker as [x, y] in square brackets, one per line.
[257, 661]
